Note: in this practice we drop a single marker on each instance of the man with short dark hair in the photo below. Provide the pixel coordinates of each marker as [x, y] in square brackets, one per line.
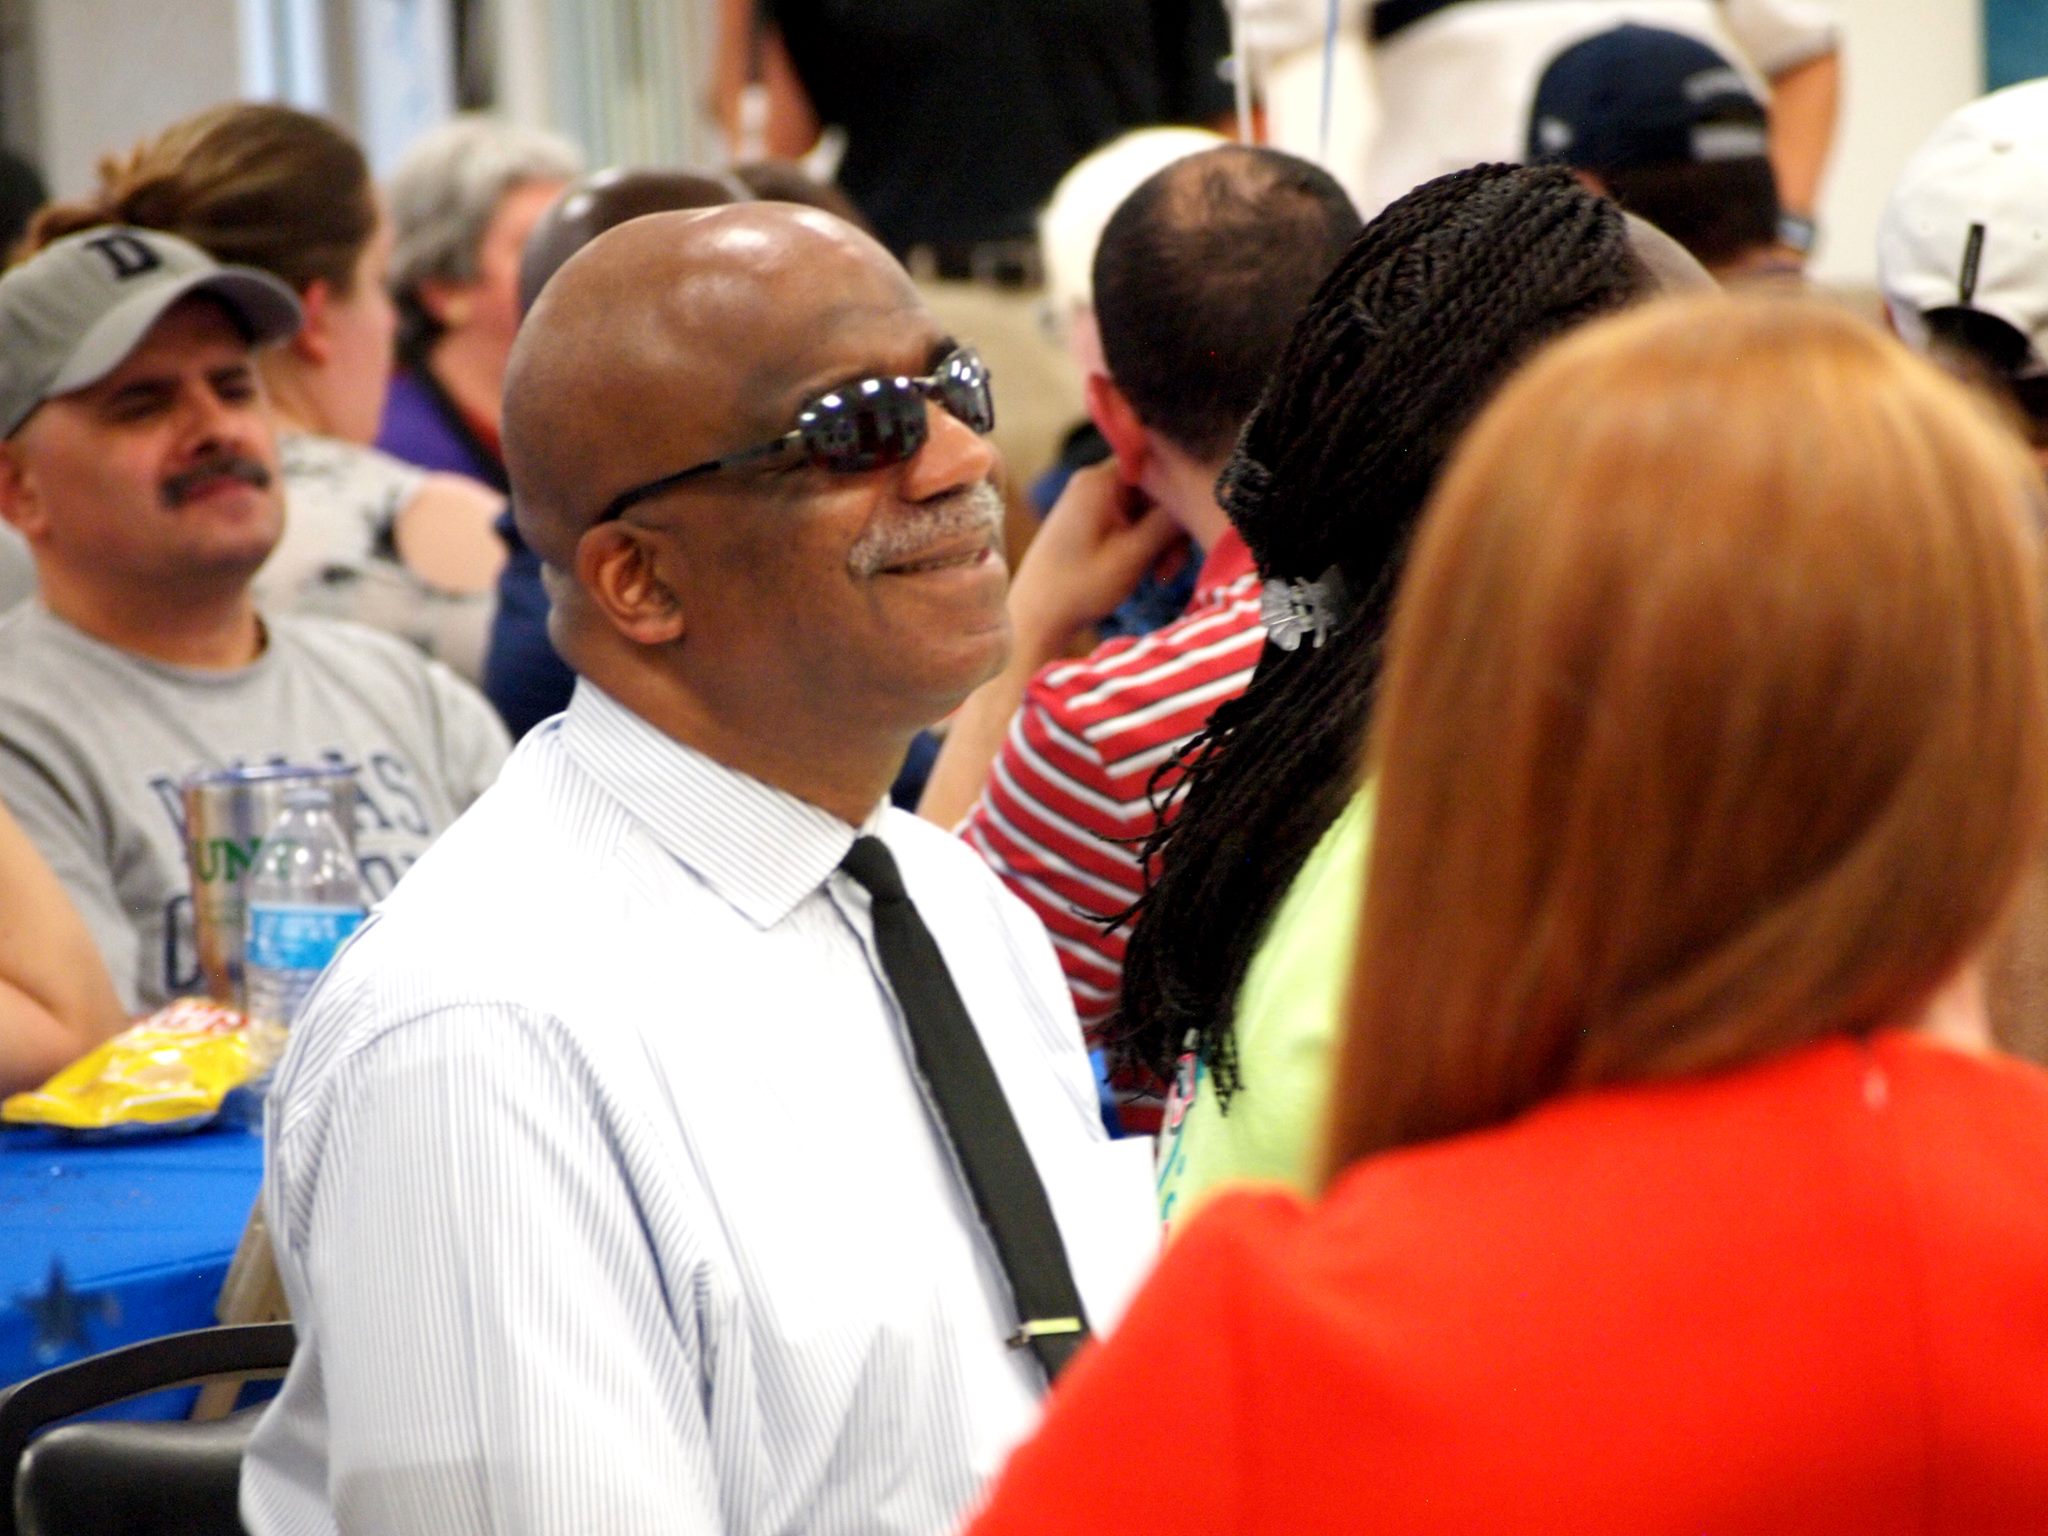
[699, 1098]
[140, 464]
[1198, 279]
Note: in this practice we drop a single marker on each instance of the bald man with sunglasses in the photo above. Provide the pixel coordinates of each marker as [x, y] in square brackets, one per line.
[619, 1170]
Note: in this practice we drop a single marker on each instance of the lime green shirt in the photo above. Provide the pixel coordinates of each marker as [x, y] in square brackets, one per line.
[1286, 1029]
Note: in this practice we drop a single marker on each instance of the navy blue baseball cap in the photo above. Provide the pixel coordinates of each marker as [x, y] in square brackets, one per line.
[1638, 96]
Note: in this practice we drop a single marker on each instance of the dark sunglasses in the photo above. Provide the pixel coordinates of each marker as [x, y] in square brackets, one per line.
[868, 424]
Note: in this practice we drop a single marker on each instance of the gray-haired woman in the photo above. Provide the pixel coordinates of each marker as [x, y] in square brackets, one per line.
[463, 201]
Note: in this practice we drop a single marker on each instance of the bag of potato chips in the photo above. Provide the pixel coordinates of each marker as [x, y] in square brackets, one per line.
[167, 1072]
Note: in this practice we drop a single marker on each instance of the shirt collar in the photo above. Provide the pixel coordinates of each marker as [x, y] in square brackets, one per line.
[759, 848]
[1229, 560]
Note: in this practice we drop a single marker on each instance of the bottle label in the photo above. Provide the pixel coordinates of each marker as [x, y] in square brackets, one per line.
[285, 937]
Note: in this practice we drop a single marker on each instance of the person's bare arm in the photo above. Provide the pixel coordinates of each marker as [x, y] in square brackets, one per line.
[1804, 102]
[1087, 558]
[445, 534]
[791, 127]
[56, 999]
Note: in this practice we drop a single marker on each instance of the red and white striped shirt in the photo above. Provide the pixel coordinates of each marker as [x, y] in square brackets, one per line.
[1066, 805]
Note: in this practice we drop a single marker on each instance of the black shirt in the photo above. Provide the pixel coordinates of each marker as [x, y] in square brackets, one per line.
[962, 115]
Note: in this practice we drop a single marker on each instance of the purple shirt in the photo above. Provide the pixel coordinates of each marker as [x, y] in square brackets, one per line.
[422, 426]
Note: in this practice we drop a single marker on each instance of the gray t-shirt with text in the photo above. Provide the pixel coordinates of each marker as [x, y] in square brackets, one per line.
[94, 743]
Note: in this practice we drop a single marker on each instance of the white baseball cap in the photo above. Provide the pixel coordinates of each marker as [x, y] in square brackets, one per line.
[1071, 226]
[1967, 224]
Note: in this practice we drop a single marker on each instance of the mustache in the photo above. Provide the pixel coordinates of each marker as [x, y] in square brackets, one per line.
[188, 483]
[976, 510]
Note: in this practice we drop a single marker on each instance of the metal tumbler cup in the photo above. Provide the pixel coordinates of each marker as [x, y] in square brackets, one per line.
[227, 812]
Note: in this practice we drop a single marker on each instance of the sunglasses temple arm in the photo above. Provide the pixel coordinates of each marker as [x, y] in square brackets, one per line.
[780, 446]
[623, 504]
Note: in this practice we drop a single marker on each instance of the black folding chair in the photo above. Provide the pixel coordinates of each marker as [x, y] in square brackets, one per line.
[118, 1478]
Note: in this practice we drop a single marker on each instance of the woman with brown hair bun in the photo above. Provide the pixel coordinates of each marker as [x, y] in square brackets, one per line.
[1672, 1182]
[366, 537]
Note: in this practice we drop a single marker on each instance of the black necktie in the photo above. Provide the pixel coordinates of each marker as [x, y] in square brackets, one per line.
[975, 1115]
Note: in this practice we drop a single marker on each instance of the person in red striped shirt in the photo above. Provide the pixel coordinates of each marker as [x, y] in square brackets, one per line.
[1047, 769]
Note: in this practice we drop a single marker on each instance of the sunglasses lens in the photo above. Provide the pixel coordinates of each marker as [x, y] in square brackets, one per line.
[963, 390]
[879, 422]
[875, 423]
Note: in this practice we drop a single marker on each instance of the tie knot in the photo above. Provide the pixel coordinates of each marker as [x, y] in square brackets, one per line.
[870, 862]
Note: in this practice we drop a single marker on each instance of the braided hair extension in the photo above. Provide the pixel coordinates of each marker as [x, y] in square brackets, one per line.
[1430, 309]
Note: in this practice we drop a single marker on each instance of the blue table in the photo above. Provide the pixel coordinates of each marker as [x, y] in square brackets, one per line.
[102, 1244]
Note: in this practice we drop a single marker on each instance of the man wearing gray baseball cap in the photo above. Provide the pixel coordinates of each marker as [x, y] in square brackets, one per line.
[73, 315]
[39, 354]
[139, 462]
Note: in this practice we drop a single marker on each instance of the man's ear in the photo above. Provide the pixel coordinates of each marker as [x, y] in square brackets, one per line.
[616, 568]
[21, 502]
[314, 339]
[1130, 441]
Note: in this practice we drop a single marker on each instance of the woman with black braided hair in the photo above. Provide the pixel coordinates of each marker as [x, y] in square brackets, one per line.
[1242, 941]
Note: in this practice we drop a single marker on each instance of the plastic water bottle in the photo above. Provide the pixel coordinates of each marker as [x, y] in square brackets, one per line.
[304, 898]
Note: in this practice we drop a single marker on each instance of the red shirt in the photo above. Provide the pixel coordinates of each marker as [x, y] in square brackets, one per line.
[1808, 1296]
[1066, 799]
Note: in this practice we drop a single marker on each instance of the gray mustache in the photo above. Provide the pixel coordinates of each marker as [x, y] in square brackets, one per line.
[183, 486]
[976, 510]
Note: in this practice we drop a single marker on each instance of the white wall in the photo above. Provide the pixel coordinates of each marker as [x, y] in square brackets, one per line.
[390, 72]
[112, 72]
[626, 79]
[1907, 64]
[109, 73]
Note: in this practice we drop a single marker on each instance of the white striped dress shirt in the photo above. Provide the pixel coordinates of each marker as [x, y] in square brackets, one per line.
[607, 1199]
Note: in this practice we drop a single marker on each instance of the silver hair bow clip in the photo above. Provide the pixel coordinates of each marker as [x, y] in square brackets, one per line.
[1294, 610]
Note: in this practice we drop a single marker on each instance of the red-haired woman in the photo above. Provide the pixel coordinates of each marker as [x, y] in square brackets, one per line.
[1673, 1184]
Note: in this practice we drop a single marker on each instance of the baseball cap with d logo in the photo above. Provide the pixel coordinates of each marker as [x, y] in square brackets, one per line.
[71, 313]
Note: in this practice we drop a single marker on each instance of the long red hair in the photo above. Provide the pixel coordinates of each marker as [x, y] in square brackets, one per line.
[1714, 719]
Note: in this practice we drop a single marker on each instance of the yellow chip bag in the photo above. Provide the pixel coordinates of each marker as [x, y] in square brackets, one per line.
[166, 1072]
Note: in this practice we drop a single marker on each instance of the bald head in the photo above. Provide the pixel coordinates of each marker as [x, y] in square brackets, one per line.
[605, 199]
[1672, 268]
[672, 339]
